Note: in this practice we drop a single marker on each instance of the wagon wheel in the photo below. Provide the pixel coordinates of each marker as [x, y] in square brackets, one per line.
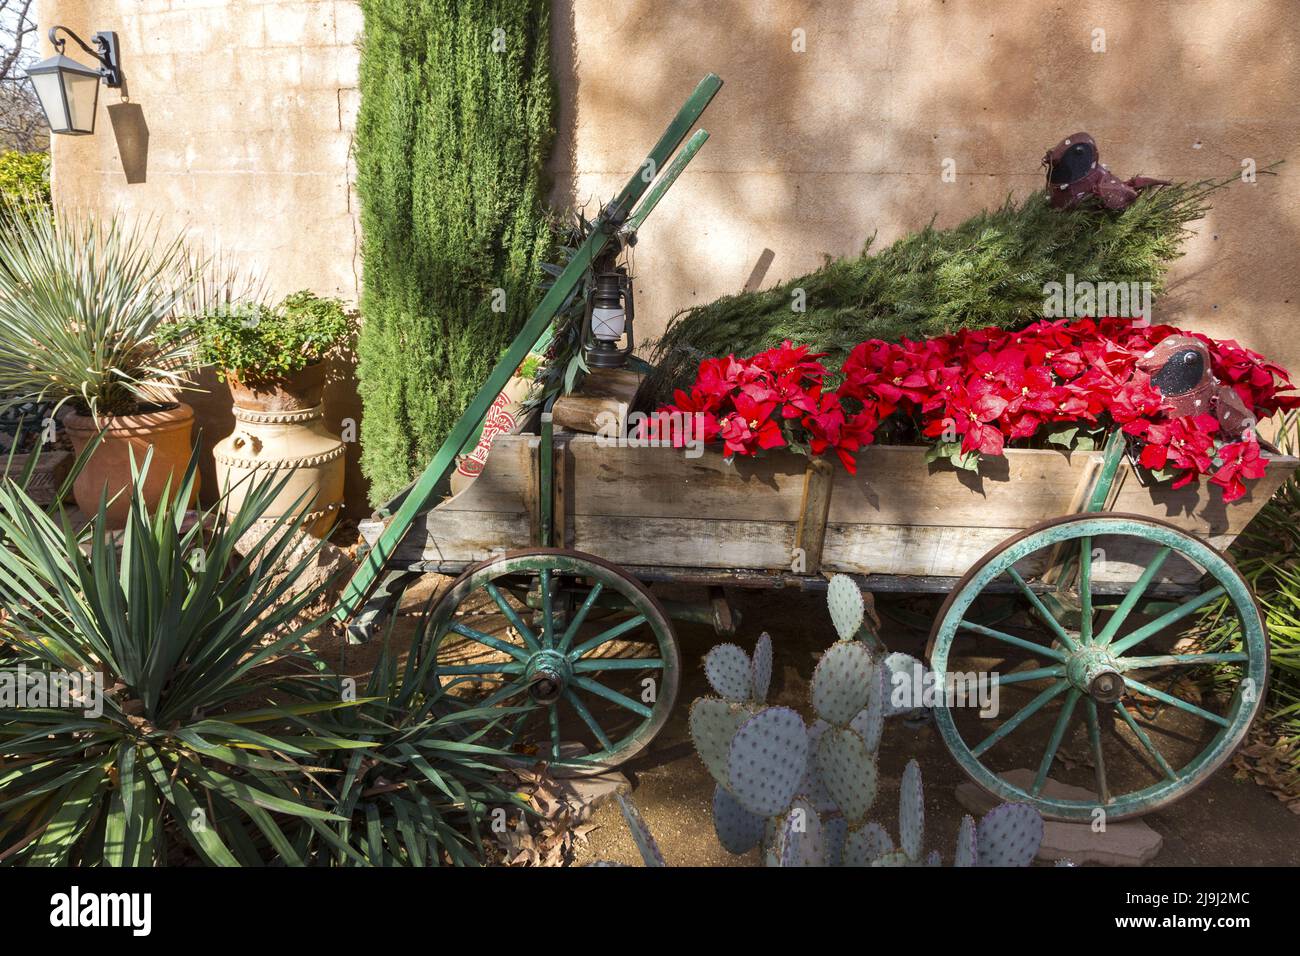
[577, 642]
[1090, 680]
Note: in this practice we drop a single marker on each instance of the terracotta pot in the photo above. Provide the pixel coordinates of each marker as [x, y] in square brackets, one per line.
[275, 436]
[300, 391]
[167, 430]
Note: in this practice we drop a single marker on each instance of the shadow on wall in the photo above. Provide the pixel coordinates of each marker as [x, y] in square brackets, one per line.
[812, 152]
[132, 135]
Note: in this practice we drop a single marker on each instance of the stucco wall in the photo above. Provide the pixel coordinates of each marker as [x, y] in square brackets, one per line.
[235, 126]
[250, 107]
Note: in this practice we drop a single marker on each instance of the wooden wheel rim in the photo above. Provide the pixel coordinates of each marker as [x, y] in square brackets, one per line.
[1079, 528]
[549, 663]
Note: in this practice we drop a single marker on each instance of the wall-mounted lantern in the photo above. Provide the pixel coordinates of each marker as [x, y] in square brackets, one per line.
[69, 90]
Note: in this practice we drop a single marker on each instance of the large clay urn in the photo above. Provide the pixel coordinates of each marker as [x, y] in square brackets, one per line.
[280, 431]
[166, 429]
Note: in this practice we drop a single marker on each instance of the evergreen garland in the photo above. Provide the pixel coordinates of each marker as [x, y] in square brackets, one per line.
[452, 138]
[989, 270]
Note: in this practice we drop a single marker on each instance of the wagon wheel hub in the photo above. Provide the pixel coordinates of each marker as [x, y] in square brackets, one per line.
[548, 674]
[1095, 672]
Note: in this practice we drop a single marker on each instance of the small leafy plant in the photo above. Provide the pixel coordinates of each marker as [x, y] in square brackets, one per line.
[255, 342]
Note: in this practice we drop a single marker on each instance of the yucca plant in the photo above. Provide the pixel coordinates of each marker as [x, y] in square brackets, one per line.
[82, 299]
[196, 746]
[424, 789]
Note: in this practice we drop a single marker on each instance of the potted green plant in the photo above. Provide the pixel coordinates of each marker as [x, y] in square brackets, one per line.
[84, 301]
[274, 359]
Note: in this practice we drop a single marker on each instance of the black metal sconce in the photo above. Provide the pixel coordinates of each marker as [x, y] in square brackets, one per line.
[69, 91]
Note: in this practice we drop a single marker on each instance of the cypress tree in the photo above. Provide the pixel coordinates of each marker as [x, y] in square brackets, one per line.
[452, 137]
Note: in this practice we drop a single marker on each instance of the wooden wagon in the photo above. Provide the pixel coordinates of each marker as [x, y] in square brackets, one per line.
[1068, 580]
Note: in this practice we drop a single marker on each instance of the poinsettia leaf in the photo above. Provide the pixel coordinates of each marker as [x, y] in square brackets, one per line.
[1064, 437]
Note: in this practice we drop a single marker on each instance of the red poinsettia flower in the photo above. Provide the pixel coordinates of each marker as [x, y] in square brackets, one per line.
[972, 412]
[1239, 460]
[1184, 443]
[691, 416]
[750, 428]
[829, 427]
[788, 358]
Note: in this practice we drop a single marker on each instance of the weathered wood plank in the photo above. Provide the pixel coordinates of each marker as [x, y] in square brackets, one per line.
[697, 542]
[664, 483]
[895, 486]
[605, 392]
[907, 549]
[810, 534]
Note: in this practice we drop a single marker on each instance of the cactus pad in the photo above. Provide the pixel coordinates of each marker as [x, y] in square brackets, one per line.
[812, 787]
[870, 721]
[967, 852]
[865, 844]
[767, 760]
[900, 678]
[834, 830]
[848, 770]
[841, 682]
[641, 835]
[801, 837]
[1009, 835]
[739, 831]
[727, 668]
[911, 812]
[713, 722]
[896, 858]
[761, 667]
[844, 599]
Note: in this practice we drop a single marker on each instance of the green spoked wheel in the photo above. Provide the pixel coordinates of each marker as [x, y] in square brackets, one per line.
[581, 645]
[1102, 680]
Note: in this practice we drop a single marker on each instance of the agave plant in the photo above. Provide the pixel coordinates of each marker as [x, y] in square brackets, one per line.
[82, 300]
[195, 744]
[424, 788]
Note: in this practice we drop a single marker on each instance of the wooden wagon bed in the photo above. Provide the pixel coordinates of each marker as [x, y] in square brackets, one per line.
[902, 523]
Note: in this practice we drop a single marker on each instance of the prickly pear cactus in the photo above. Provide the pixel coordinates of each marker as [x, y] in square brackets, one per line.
[801, 839]
[848, 770]
[641, 835]
[911, 812]
[713, 723]
[870, 721]
[728, 669]
[1009, 835]
[841, 682]
[761, 667]
[901, 683]
[739, 831]
[967, 854]
[866, 843]
[768, 757]
[801, 792]
[844, 598]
